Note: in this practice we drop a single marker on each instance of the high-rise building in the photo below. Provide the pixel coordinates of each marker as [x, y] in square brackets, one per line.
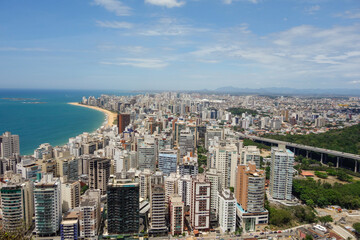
[200, 203]
[123, 121]
[123, 204]
[68, 167]
[48, 209]
[250, 190]
[99, 173]
[28, 169]
[250, 153]
[17, 204]
[157, 204]
[188, 165]
[214, 177]
[144, 180]
[168, 161]
[9, 145]
[227, 211]
[226, 158]
[176, 215]
[281, 173]
[69, 227]
[184, 189]
[89, 218]
[146, 156]
[70, 194]
[250, 196]
[171, 185]
[186, 142]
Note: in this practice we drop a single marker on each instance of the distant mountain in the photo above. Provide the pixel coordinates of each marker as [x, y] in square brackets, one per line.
[289, 91]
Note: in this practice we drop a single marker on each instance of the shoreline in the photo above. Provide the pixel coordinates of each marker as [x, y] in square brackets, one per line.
[110, 116]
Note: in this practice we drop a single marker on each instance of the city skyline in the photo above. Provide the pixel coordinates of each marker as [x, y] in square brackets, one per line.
[178, 44]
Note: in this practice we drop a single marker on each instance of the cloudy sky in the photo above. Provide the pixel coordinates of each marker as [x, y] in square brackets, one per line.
[179, 44]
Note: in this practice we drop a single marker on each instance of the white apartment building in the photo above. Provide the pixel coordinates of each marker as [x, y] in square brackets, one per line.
[184, 189]
[171, 185]
[9, 145]
[89, 218]
[227, 211]
[226, 158]
[281, 173]
[214, 177]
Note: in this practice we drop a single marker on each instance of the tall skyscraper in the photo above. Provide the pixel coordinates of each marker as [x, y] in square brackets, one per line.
[89, 218]
[281, 173]
[99, 173]
[147, 156]
[144, 180]
[214, 177]
[227, 211]
[184, 189]
[171, 185]
[186, 142]
[48, 209]
[70, 194]
[168, 161]
[17, 204]
[226, 158]
[123, 204]
[250, 188]
[157, 204]
[176, 215]
[123, 121]
[9, 145]
[250, 153]
[200, 203]
[250, 195]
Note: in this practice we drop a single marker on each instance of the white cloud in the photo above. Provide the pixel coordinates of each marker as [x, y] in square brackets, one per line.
[114, 6]
[114, 24]
[302, 53]
[169, 27]
[166, 3]
[355, 82]
[231, 1]
[137, 62]
[312, 9]
[351, 14]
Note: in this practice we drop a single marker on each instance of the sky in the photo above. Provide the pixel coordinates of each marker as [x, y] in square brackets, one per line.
[179, 44]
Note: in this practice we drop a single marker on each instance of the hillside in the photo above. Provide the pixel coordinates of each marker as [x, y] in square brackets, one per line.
[343, 140]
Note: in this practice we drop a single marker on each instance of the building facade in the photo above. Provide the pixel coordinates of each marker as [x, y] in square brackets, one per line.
[281, 173]
[200, 203]
[176, 215]
[123, 205]
[48, 208]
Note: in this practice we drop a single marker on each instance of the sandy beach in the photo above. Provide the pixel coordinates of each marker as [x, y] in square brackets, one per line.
[110, 116]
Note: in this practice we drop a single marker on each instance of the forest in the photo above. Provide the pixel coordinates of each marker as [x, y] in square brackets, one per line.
[343, 140]
[316, 193]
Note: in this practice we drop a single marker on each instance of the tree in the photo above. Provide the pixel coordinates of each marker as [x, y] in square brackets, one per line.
[356, 226]
[325, 219]
[308, 237]
[16, 235]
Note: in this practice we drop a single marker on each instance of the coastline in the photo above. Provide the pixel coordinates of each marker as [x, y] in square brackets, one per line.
[110, 116]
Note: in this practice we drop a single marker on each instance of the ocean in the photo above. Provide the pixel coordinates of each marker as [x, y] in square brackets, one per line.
[43, 116]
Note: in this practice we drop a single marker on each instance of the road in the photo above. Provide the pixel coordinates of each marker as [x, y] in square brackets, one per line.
[342, 232]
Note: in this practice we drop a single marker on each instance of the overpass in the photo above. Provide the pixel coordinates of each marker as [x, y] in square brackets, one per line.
[322, 151]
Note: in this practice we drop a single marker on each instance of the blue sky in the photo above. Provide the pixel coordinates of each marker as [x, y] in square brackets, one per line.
[179, 44]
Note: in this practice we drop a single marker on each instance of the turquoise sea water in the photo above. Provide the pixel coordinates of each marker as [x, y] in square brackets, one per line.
[53, 121]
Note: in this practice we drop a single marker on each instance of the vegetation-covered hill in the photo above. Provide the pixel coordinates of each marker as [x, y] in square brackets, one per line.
[343, 140]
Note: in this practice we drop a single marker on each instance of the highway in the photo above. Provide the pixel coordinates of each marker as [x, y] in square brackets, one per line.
[304, 147]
